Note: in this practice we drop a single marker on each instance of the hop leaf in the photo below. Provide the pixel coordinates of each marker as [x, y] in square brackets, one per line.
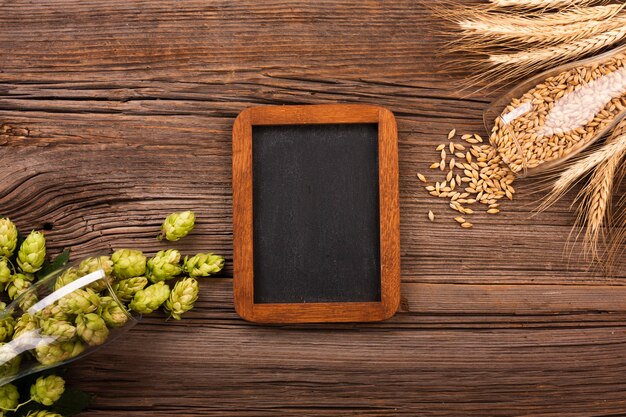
[128, 263]
[164, 266]
[80, 301]
[32, 253]
[6, 328]
[60, 330]
[147, 300]
[203, 265]
[8, 237]
[125, 289]
[47, 390]
[182, 297]
[10, 360]
[177, 225]
[5, 273]
[9, 397]
[92, 329]
[53, 353]
[113, 314]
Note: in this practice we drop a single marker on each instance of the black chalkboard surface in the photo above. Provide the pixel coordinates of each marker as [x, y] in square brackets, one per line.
[316, 213]
[316, 225]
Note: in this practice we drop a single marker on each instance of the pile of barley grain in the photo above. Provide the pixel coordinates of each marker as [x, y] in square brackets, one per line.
[561, 115]
[474, 173]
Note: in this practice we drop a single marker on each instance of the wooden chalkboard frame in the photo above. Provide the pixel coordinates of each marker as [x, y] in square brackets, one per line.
[243, 282]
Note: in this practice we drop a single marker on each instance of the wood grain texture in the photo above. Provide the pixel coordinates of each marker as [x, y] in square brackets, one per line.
[113, 114]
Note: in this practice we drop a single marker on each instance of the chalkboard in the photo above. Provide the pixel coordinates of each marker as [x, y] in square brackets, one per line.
[316, 227]
[316, 213]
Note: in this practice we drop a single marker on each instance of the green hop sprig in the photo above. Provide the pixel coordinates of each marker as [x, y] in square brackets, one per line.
[47, 390]
[164, 266]
[9, 360]
[203, 265]
[32, 253]
[43, 413]
[149, 299]
[9, 397]
[182, 297]
[92, 329]
[66, 277]
[6, 328]
[8, 237]
[128, 263]
[113, 314]
[126, 289]
[80, 301]
[5, 273]
[60, 330]
[177, 225]
[53, 353]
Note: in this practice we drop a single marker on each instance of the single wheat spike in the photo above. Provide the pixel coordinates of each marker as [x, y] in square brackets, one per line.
[540, 4]
[577, 170]
[482, 30]
[537, 58]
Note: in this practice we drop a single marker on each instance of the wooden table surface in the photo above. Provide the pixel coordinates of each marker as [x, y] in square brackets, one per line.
[115, 113]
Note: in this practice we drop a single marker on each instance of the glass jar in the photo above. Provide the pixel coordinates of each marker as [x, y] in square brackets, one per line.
[553, 116]
[64, 316]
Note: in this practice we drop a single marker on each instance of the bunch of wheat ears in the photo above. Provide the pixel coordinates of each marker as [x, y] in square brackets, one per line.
[518, 37]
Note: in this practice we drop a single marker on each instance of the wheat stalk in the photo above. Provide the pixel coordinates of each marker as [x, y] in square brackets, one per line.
[488, 29]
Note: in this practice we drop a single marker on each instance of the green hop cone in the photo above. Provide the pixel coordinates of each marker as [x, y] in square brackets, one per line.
[47, 390]
[42, 413]
[53, 353]
[5, 273]
[182, 297]
[19, 284]
[9, 360]
[203, 265]
[68, 276]
[6, 328]
[164, 266]
[89, 265]
[54, 311]
[60, 330]
[24, 325]
[113, 314]
[3, 305]
[147, 300]
[126, 289]
[9, 397]
[177, 225]
[8, 237]
[92, 329]
[32, 253]
[80, 301]
[128, 263]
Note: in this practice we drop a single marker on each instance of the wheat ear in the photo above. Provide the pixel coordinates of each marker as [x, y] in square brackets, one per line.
[576, 171]
[541, 4]
[534, 59]
[483, 30]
